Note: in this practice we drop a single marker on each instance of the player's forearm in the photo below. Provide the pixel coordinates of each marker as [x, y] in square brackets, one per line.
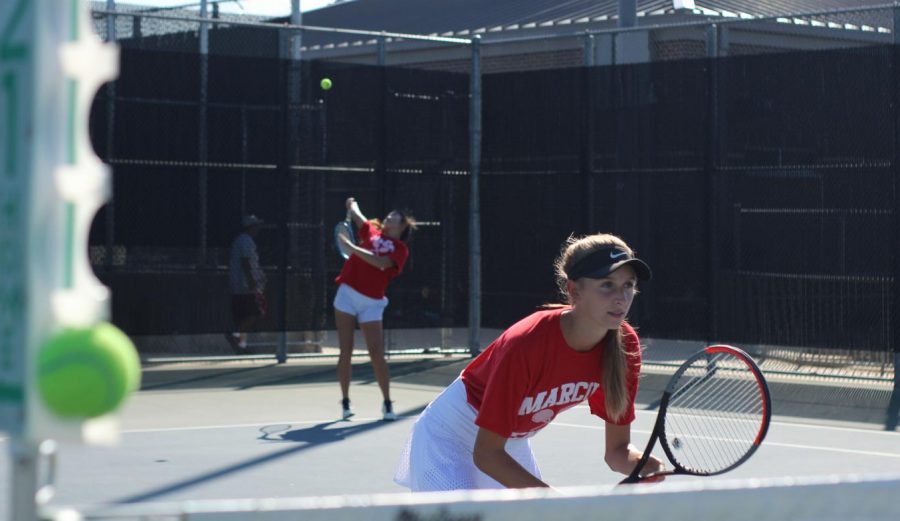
[504, 469]
[354, 212]
[622, 458]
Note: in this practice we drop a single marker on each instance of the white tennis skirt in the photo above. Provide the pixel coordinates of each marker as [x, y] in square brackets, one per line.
[438, 453]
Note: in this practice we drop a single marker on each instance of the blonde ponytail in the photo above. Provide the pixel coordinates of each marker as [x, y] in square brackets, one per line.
[615, 376]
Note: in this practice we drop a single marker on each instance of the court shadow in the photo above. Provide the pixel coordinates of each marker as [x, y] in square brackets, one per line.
[299, 440]
[327, 432]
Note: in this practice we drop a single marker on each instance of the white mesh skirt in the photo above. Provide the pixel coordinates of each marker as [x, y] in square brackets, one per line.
[438, 453]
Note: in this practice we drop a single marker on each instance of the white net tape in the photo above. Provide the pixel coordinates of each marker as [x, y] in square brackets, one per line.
[836, 498]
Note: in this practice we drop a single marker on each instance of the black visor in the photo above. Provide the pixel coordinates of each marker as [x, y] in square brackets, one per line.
[604, 261]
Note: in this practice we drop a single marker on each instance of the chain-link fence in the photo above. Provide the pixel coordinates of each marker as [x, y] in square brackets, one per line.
[754, 168]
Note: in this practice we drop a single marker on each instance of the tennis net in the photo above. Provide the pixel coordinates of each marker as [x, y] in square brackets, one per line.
[836, 498]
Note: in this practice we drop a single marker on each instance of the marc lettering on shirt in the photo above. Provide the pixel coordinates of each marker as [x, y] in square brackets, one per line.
[560, 398]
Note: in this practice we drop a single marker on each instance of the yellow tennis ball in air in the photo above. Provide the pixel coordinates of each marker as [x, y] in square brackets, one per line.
[325, 84]
[84, 373]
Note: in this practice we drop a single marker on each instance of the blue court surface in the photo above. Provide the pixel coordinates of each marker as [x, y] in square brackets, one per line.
[257, 429]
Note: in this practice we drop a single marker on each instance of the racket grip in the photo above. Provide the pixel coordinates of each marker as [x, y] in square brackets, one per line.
[630, 480]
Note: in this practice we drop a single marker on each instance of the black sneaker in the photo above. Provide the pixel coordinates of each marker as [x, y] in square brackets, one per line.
[388, 411]
[345, 405]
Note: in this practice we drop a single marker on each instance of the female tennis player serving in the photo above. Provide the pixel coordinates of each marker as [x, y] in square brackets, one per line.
[378, 258]
[475, 434]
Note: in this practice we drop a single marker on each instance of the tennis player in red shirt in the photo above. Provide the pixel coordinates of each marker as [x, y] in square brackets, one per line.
[378, 257]
[475, 434]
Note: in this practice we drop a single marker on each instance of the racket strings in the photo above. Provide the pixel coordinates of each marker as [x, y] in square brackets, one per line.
[715, 440]
[710, 448]
[722, 438]
[731, 398]
[714, 414]
[734, 396]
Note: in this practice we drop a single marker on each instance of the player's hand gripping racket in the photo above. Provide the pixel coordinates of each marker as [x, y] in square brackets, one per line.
[344, 229]
[713, 415]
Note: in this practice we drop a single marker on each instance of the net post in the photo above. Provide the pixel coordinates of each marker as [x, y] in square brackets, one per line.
[474, 200]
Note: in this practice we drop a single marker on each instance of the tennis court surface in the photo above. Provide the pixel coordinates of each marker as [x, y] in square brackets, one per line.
[252, 439]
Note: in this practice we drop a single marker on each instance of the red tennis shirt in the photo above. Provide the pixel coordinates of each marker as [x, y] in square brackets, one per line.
[362, 276]
[529, 375]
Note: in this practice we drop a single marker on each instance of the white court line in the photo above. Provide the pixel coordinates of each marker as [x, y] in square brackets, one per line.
[787, 423]
[558, 424]
[766, 443]
[245, 425]
[236, 426]
[774, 443]
[834, 428]
[829, 449]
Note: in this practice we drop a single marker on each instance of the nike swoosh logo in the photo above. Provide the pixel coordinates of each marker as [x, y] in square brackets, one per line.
[614, 255]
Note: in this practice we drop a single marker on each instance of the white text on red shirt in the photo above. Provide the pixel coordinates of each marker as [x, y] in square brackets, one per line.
[561, 395]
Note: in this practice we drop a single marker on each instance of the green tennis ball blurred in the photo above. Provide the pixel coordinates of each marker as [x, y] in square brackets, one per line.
[325, 84]
[85, 373]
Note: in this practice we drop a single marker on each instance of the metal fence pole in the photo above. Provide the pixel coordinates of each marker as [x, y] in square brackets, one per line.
[589, 51]
[111, 21]
[474, 201]
[203, 148]
[290, 251]
[627, 13]
[893, 410]
[381, 51]
[712, 144]
[587, 140]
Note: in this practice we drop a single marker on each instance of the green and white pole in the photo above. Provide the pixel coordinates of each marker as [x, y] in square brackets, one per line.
[51, 185]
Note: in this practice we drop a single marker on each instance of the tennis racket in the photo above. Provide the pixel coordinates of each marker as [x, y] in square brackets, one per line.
[713, 415]
[345, 229]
